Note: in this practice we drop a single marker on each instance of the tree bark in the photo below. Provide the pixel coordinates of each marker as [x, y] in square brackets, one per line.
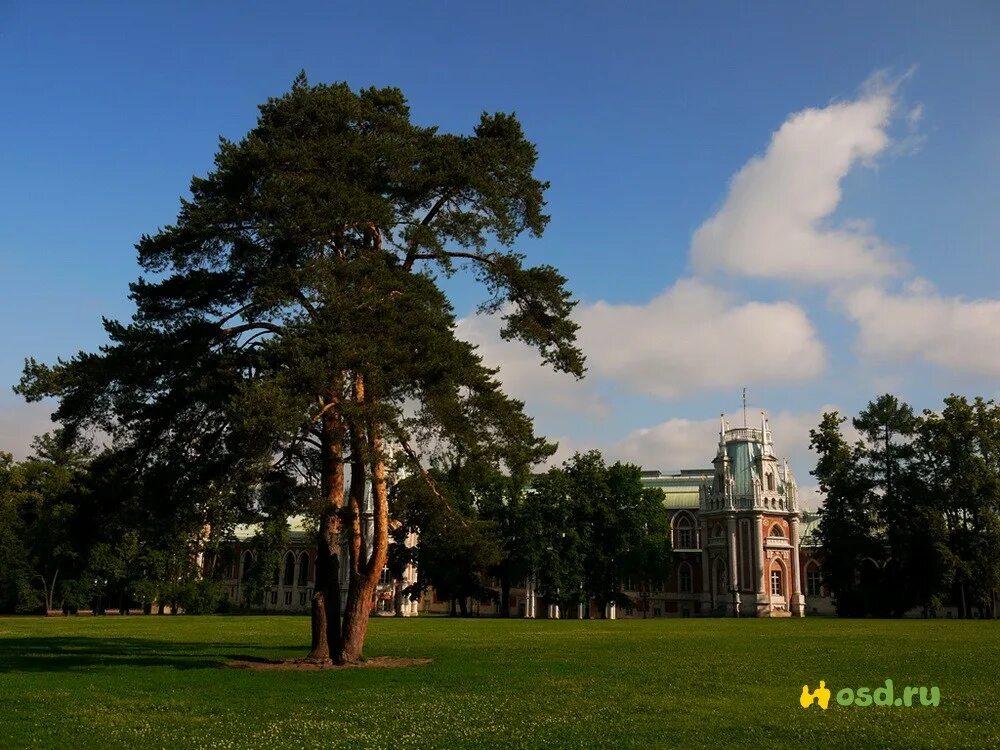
[397, 598]
[326, 633]
[367, 559]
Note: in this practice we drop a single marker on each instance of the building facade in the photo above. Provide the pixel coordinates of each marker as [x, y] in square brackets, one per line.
[742, 545]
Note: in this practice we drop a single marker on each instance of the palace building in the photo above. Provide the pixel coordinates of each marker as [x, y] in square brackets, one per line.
[742, 547]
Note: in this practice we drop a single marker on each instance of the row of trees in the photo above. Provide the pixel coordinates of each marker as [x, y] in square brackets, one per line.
[912, 510]
[74, 534]
[579, 531]
[69, 542]
[78, 530]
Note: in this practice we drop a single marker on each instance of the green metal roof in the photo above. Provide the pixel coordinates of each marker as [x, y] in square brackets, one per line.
[681, 488]
[299, 528]
[743, 457]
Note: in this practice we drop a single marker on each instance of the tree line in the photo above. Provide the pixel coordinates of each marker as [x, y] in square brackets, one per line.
[77, 531]
[75, 534]
[579, 532]
[911, 516]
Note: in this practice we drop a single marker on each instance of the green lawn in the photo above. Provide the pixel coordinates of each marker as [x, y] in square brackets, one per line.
[157, 682]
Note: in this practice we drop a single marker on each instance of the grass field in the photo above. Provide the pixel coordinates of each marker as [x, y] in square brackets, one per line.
[158, 682]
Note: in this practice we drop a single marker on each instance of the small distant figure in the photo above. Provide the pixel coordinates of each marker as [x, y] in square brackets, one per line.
[820, 696]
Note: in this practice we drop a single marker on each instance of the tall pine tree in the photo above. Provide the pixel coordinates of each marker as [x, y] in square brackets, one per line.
[290, 322]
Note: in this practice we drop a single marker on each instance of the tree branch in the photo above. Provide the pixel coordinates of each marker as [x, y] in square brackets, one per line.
[411, 255]
[301, 297]
[487, 258]
[253, 326]
[428, 479]
[225, 319]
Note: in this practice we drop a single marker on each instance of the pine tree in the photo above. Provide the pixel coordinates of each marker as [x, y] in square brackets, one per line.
[291, 323]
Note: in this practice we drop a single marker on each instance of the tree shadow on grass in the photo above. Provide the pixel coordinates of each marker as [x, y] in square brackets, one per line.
[68, 653]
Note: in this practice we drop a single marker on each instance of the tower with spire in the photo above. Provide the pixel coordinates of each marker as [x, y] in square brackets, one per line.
[749, 517]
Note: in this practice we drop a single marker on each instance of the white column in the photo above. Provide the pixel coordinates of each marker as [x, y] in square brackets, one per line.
[295, 580]
[611, 610]
[734, 578]
[762, 586]
[239, 579]
[798, 608]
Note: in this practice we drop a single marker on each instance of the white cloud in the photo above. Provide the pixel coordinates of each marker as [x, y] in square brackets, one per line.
[773, 223]
[689, 338]
[525, 376]
[921, 324]
[694, 337]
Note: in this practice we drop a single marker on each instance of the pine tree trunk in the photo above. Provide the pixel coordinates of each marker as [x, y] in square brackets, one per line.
[397, 598]
[368, 565]
[504, 595]
[326, 637]
[367, 557]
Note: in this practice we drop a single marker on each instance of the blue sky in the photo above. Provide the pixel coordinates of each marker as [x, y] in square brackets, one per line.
[642, 112]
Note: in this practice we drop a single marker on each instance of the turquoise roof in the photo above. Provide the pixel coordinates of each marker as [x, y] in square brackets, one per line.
[680, 489]
[744, 458]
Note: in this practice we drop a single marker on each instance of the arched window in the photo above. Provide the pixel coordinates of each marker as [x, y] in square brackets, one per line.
[289, 577]
[684, 537]
[814, 581]
[777, 582]
[304, 569]
[777, 532]
[770, 481]
[247, 565]
[684, 582]
[717, 531]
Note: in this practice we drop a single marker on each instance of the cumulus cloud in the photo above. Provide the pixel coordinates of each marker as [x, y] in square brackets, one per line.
[773, 222]
[694, 336]
[920, 323]
[691, 337]
[523, 374]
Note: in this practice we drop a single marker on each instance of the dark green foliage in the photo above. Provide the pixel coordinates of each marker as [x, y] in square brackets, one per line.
[459, 547]
[912, 510]
[264, 569]
[959, 457]
[590, 527]
[290, 321]
[580, 531]
[15, 571]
